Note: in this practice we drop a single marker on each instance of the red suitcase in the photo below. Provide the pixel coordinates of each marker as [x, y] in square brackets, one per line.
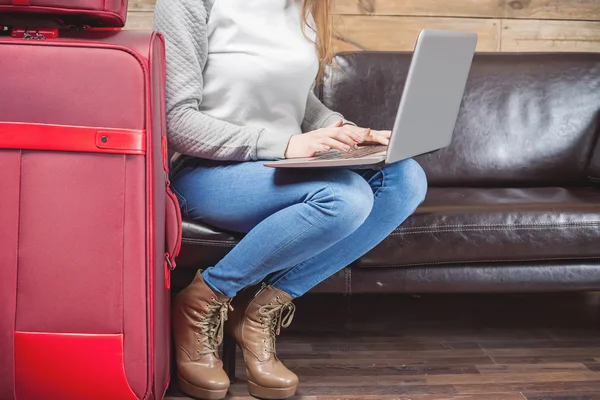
[88, 225]
[112, 13]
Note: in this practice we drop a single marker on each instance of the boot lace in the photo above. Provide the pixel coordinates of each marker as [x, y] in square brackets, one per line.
[211, 325]
[275, 317]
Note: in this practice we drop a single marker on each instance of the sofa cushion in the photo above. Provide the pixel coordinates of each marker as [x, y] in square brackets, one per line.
[203, 245]
[461, 225]
[466, 225]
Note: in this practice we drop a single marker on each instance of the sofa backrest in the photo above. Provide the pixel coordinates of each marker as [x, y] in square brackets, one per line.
[526, 119]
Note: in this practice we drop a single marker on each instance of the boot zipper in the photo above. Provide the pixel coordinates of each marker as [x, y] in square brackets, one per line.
[262, 287]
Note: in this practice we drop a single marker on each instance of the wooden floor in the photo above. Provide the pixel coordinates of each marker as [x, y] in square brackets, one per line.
[484, 347]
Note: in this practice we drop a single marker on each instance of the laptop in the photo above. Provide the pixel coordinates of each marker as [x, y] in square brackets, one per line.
[428, 109]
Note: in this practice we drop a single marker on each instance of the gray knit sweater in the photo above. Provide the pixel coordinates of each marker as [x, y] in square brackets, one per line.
[192, 132]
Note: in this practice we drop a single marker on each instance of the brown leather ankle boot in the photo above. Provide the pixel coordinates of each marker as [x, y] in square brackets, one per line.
[199, 315]
[255, 328]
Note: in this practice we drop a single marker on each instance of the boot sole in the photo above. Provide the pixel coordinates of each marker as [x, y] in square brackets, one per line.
[261, 392]
[200, 393]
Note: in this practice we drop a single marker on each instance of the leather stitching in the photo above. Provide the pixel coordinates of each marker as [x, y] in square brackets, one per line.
[217, 243]
[422, 230]
[348, 276]
[530, 224]
[541, 228]
[481, 261]
[491, 227]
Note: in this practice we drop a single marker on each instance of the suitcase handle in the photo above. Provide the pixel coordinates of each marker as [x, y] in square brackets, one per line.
[173, 221]
[172, 234]
[173, 228]
[85, 139]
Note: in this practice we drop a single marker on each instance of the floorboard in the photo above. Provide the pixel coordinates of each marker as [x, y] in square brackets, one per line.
[475, 347]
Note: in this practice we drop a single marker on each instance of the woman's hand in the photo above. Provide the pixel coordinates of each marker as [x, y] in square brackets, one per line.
[377, 138]
[337, 136]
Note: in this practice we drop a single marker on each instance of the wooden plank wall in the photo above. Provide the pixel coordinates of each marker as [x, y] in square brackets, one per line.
[502, 25]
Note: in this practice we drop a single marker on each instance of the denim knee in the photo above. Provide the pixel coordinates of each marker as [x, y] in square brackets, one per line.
[408, 178]
[351, 200]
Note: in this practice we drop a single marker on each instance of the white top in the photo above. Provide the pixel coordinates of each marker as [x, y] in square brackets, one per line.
[260, 65]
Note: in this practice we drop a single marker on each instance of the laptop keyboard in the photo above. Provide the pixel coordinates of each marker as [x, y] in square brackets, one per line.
[361, 152]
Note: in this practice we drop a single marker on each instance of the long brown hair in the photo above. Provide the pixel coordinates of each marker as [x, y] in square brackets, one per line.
[322, 14]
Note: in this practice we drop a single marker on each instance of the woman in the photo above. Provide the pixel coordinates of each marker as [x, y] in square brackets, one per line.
[239, 80]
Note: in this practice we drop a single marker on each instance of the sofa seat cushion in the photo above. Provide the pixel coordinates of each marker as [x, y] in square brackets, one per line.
[467, 225]
[461, 225]
[203, 245]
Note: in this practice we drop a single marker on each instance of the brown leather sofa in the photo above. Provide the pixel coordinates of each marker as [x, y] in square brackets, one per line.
[514, 202]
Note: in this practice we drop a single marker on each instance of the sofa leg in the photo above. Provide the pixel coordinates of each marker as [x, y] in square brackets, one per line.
[229, 354]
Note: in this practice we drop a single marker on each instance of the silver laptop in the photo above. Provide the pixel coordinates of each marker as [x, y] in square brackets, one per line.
[428, 109]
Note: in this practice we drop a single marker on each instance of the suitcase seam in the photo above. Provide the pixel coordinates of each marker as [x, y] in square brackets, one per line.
[17, 267]
[123, 259]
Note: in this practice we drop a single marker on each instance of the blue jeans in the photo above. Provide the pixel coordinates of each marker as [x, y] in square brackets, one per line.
[302, 225]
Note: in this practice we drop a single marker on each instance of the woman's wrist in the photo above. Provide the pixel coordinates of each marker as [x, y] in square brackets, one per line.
[272, 145]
